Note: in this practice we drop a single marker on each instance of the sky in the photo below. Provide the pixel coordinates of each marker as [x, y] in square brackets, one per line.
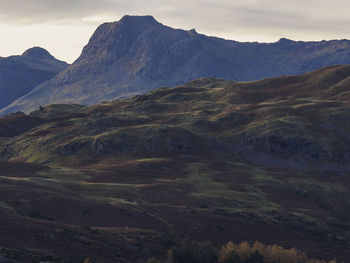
[64, 27]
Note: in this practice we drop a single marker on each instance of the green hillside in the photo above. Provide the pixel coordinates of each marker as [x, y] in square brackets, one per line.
[210, 161]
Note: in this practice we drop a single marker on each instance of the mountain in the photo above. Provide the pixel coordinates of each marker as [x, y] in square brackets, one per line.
[138, 54]
[212, 160]
[20, 74]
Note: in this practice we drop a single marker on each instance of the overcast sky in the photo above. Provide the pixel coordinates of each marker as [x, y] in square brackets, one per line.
[63, 27]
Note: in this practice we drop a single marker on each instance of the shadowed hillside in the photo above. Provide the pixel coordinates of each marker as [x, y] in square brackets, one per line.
[211, 160]
[20, 74]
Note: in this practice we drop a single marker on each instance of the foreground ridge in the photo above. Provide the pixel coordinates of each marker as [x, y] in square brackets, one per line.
[214, 160]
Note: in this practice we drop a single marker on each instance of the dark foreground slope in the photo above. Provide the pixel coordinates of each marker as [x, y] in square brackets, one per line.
[20, 74]
[210, 160]
[138, 54]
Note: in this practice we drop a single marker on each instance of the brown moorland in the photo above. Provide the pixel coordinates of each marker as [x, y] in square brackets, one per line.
[210, 161]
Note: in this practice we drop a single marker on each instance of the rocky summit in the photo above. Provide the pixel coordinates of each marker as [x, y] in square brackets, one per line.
[138, 54]
[20, 74]
[212, 160]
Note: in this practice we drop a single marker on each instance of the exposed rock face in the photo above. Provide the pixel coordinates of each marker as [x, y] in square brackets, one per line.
[20, 74]
[138, 54]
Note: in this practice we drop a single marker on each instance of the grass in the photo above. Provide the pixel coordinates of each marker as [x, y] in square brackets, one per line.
[54, 110]
[186, 159]
[76, 181]
[219, 195]
[151, 160]
[64, 174]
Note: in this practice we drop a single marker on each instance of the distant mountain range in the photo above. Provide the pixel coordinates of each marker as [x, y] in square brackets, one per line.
[20, 74]
[138, 54]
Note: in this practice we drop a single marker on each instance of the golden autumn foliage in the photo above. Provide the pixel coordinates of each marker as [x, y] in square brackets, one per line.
[87, 260]
[269, 254]
[153, 260]
[226, 251]
[238, 253]
[170, 257]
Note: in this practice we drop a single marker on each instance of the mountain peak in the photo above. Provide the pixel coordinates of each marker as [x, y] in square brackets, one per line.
[37, 53]
[112, 40]
[285, 40]
[192, 32]
[138, 19]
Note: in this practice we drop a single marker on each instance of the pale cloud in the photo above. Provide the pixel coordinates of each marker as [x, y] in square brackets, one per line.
[249, 20]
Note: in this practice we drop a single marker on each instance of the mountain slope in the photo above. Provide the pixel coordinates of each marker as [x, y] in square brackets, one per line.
[210, 160]
[20, 74]
[138, 54]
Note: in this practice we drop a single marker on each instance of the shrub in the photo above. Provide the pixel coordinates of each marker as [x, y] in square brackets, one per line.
[153, 260]
[194, 252]
[260, 253]
[170, 257]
